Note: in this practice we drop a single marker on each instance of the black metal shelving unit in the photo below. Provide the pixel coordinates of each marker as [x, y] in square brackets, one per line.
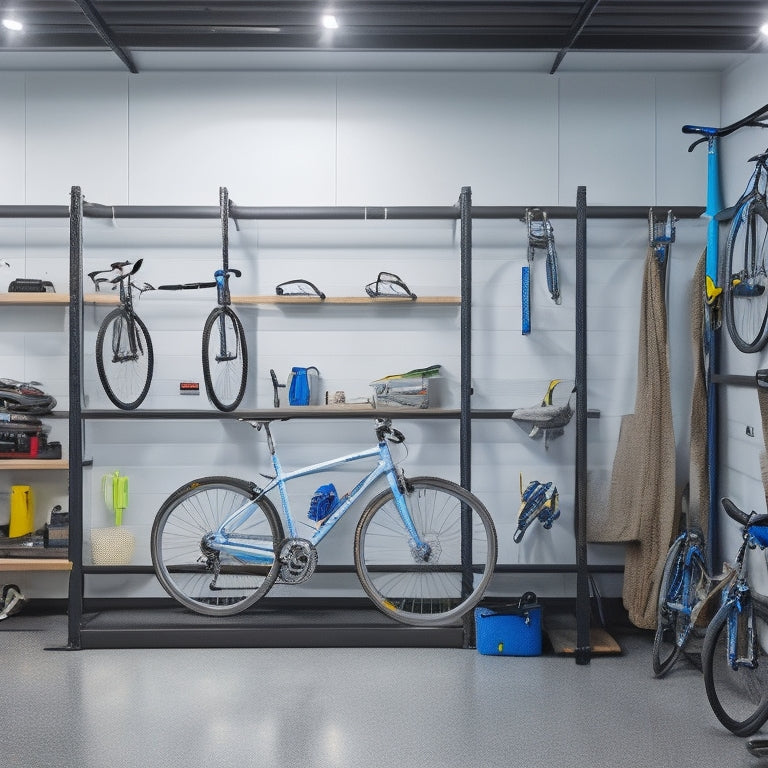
[263, 625]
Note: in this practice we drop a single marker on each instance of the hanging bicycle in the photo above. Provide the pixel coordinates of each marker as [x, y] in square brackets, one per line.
[224, 349]
[124, 356]
[744, 277]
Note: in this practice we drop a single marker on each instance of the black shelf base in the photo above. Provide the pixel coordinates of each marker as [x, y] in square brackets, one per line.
[268, 625]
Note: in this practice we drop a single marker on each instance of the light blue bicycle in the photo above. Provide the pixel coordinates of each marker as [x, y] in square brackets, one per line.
[424, 549]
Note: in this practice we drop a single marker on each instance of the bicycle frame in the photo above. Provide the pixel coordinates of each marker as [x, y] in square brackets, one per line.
[686, 607]
[225, 538]
[126, 301]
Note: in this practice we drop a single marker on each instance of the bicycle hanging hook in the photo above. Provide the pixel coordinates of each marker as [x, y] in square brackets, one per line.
[224, 215]
[661, 233]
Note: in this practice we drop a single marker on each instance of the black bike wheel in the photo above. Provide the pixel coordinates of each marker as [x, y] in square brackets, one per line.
[185, 564]
[738, 697]
[125, 372]
[225, 359]
[745, 281]
[442, 587]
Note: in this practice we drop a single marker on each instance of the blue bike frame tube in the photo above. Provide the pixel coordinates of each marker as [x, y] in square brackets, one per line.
[711, 341]
[385, 466]
[714, 206]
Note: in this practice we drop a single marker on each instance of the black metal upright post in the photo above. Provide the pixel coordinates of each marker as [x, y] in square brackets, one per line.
[465, 417]
[465, 428]
[583, 646]
[75, 602]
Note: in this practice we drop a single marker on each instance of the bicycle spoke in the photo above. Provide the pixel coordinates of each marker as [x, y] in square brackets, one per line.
[421, 588]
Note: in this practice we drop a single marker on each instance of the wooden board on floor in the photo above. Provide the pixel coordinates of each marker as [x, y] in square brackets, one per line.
[563, 641]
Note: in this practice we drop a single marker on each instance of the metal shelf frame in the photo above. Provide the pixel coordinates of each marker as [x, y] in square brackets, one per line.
[464, 213]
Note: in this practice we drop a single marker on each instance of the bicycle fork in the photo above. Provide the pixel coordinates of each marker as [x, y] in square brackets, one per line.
[742, 645]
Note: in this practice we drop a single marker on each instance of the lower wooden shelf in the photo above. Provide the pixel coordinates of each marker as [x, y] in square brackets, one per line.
[34, 564]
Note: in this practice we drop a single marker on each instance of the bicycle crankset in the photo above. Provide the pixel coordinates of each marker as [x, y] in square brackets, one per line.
[298, 558]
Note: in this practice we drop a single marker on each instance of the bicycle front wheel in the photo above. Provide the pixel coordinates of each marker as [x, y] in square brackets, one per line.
[745, 282]
[426, 588]
[738, 693]
[665, 646]
[204, 579]
[684, 583]
[124, 358]
[225, 358]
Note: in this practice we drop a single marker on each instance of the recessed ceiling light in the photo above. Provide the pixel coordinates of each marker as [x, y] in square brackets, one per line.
[12, 24]
[330, 21]
[764, 29]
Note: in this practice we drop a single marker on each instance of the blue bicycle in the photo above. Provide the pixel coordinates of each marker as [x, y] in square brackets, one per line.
[685, 584]
[424, 549]
[735, 651]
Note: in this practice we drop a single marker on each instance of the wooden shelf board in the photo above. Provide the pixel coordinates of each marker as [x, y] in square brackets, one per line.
[113, 299]
[34, 464]
[34, 564]
[356, 300]
[58, 299]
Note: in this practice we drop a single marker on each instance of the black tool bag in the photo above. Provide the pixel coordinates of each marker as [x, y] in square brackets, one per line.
[24, 397]
[23, 436]
[30, 285]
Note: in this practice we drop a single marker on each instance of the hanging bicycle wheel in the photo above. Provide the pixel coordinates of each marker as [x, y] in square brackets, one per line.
[225, 359]
[191, 569]
[124, 358]
[738, 689]
[745, 281]
[431, 587]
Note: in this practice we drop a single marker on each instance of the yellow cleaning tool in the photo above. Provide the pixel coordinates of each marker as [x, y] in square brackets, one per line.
[114, 486]
[22, 511]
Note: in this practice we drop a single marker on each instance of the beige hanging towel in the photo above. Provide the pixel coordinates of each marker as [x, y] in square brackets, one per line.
[642, 496]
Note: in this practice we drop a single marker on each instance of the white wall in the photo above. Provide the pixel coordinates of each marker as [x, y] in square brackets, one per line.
[370, 138]
[744, 91]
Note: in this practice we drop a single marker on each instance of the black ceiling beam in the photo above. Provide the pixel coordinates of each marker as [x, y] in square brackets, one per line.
[98, 23]
[582, 17]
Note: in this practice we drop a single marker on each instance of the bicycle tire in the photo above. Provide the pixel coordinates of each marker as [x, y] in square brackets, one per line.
[225, 377]
[126, 381]
[181, 561]
[675, 607]
[400, 583]
[738, 697]
[745, 280]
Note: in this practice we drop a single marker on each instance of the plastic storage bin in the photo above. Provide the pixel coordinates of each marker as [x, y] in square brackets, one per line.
[510, 630]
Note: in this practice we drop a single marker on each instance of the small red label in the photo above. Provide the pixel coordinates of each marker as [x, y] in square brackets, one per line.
[189, 387]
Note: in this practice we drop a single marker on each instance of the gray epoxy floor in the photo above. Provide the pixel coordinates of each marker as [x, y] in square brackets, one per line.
[341, 708]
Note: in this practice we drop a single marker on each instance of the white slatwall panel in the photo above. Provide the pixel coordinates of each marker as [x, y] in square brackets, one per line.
[360, 139]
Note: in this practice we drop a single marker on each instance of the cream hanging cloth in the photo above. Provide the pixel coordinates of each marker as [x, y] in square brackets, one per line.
[641, 506]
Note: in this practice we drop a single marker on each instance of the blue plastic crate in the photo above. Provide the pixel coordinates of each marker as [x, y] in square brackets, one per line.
[509, 630]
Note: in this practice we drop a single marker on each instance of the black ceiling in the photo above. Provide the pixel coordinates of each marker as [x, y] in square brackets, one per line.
[558, 26]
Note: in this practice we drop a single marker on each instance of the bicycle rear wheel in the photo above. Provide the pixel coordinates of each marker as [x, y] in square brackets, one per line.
[745, 282]
[225, 358]
[125, 369]
[441, 587]
[738, 696]
[185, 564]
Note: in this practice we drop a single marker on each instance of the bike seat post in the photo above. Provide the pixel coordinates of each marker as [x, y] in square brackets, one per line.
[270, 440]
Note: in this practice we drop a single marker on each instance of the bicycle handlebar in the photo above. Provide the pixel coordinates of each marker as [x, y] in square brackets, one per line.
[708, 132]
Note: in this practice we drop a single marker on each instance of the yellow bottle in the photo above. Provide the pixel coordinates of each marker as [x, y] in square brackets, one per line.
[22, 511]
